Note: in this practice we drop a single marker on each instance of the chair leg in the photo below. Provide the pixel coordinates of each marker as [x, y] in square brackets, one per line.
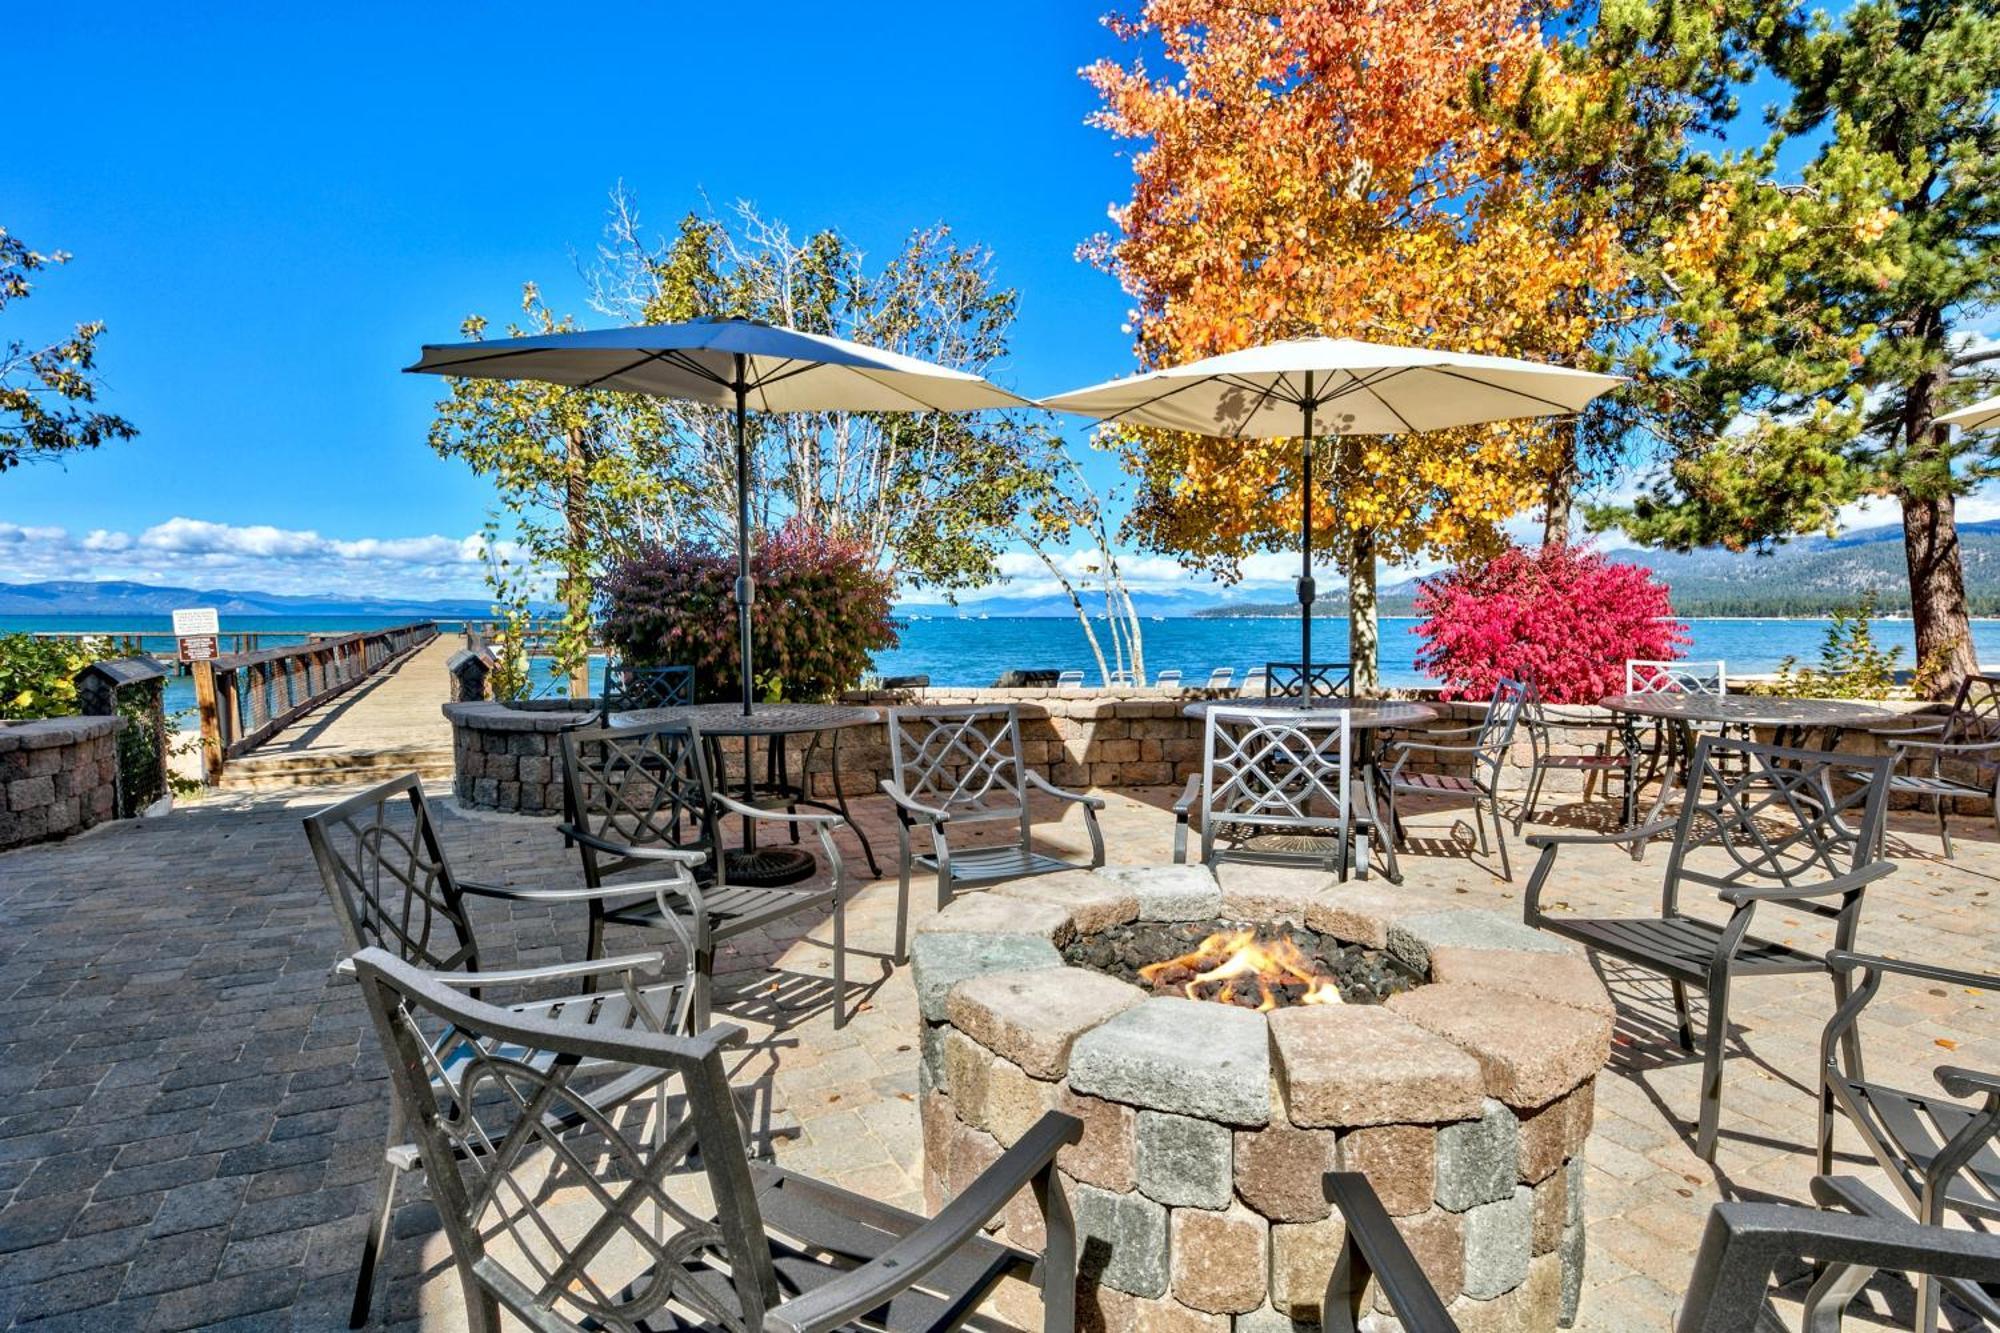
[1944, 827]
[1711, 1072]
[1500, 841]
[704, 987]
[1681, 1015]
[1479, 826]
[376, 1245]
[840, 960]
[1533, 795]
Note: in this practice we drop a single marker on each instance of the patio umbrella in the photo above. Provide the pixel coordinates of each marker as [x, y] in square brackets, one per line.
[1278, 389]
[744, 364]
[1984, 413]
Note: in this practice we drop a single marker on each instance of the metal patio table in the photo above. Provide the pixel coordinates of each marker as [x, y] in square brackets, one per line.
[1792, 722]
[1363, 717]
[775, 725]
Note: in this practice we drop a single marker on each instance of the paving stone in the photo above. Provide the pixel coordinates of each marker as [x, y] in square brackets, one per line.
[940, 961]
[1529, 1051]
[1280, 1171]
[1350, 1065]
[1412, 937]
[1400, 1162]
[1564, 979]
[1478, 1161]
[1270, 894]
[1122, 1240]
[994, 914]
[1497, 1237]
[1184, 1161]
[1033, 1018]
[1184, 1056]
[1105, 1155]
[1359, 913]
[187, 1258]
[1169, 893]
[1302, 1258]
[1092, 901]
[1218, 1258]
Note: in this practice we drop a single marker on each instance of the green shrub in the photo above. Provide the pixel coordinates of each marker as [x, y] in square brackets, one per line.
[38, 676]
[1851, 664]
[822, 612]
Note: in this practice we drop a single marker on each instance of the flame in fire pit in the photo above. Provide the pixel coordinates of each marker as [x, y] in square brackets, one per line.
[1230, 959]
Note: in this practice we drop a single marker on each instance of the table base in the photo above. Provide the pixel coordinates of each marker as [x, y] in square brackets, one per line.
[769, 867]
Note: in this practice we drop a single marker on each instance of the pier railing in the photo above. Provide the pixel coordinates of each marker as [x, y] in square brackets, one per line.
[247, 698]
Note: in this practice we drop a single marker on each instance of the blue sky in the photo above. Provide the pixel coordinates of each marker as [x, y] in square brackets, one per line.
[272, 208]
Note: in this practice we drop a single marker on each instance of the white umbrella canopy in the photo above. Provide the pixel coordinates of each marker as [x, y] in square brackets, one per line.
[1984, 413]
[744, 364]
[1276, 390]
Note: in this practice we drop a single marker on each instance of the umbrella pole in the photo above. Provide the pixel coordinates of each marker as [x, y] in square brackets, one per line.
[745, 589]
[1306, 590]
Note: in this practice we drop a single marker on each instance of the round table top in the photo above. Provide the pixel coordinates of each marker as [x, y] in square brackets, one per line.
[1757, 710]
[1361, 713]
[764, 720]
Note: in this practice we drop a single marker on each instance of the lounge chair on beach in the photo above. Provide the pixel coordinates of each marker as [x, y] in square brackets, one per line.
[1168, 680]
[1221, 678]
[1070, 680]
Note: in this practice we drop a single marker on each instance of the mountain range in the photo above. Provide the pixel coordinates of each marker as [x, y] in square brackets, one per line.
[1809, 576]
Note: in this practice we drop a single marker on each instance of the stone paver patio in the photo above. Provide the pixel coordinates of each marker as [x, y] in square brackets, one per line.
[191, 1109]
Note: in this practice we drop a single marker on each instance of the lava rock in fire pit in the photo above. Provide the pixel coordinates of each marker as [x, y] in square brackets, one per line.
[1166, 957]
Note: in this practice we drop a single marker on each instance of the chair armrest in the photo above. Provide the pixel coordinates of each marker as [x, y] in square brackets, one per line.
[1440, 749]
[1544, 841]
[1080, 798]
[730, 805]
[1947, 747]
[1927, 729]
[596, 967]
[1373, 1247]
[915, 808]
[1184, 803]
[1471, 729]
[904, 1263]
[512, 893]
[1842, 960]
[1962, 1082]
[1839, 884]
[574, 834]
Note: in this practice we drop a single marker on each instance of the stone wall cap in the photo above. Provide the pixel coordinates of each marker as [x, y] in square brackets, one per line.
[941, 960]
[1192, 1057]
[1034, 1017]
[1530, 1051]
[45, 733]
[1350, 1065]
[486, 715]
[1411, 938]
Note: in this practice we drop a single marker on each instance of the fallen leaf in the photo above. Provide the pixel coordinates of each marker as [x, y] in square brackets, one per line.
[1947, 1043]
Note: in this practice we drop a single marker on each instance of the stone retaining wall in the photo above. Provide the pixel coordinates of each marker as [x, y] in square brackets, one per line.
[58, 776]
[1196, 1186]
[507, 756]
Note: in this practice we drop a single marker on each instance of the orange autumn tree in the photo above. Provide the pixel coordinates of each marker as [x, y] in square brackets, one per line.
[1346, 168]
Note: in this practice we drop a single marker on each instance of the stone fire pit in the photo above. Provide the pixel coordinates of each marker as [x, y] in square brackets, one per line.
[1465, 1098]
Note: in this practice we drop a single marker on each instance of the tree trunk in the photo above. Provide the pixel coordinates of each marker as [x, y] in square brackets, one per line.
[1362, 632]
[1937, 594]
[1930, 546]
[576, 590]
[1560, 497]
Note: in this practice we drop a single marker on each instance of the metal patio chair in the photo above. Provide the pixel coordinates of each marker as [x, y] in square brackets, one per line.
[1613, 755]
[1644, 676]
[958, 768]
[1272, 781]
[1967, 739]
[1853, 1234]
[1486, 756]
[654, 1218]
[391, 888]
[1330, 680]
[642, 799]
[1759, 824]
[628, 688]
[1938, 1152]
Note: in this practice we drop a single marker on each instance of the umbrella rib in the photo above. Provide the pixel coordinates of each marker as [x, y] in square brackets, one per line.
[483, 357]
[1263, 396]
[1161, 398]
[921, 405]
[647, 359]
[1367, 386]
[1562, 409]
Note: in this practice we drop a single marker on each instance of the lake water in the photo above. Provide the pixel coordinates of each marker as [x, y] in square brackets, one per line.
[975, 652]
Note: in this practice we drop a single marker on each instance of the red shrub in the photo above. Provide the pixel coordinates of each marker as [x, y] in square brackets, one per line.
[822, 610]
[1562, 615]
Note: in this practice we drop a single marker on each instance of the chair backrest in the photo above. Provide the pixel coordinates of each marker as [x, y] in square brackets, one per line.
[1272, 769]
[964, 759]
[1649, 677]
[1253, 682]
[554, 1206]
[1767, 816]
[1221, 678]
[1168, 680]
[387, 878]
[627, 688]
[638, 786]
[1070, 680]
[1330, 680]
[1496, 729]
[1975, 712]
